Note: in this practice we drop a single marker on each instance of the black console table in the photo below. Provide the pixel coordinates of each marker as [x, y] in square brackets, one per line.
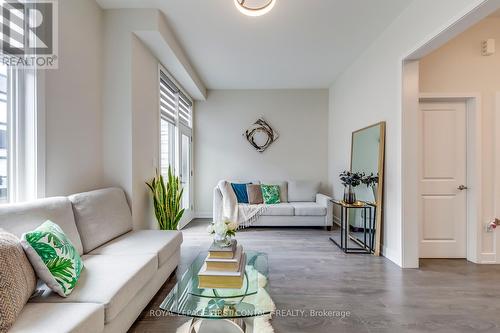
[366, 242]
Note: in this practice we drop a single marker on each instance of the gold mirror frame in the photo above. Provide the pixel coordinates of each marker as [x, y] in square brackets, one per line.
[380, 189]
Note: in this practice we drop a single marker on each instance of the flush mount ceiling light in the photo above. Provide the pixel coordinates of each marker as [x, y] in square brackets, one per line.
[254, 7]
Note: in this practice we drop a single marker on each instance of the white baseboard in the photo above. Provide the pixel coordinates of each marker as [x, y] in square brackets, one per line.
[203, 215]
[195, 215]
[488, 258]
[184, 223]
[391, 255]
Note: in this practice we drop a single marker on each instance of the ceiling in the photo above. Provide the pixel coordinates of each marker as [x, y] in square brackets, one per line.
[299, 44]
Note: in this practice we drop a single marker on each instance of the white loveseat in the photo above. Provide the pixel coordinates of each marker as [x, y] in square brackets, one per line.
[301, 206]
[124, 268]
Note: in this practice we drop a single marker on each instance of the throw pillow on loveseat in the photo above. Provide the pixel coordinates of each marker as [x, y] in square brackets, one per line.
[54, 257]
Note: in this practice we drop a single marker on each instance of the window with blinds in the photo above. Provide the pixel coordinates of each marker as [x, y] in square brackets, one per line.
[175, 106]
[176, 110]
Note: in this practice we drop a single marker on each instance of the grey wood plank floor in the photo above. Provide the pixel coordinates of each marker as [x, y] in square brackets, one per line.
[308, 272]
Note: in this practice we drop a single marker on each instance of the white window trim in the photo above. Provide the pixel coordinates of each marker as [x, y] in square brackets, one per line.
[40, 135]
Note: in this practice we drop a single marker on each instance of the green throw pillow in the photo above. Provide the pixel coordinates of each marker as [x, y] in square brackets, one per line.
[53, 256]
[270, 194]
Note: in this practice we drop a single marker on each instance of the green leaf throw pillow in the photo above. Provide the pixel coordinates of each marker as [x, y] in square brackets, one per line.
[53, 256]
[270, 194]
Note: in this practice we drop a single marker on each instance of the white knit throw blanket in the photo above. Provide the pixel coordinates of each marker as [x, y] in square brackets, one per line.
[243, 214]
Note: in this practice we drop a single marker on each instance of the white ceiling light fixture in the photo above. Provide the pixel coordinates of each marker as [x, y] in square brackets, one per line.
[254, 7]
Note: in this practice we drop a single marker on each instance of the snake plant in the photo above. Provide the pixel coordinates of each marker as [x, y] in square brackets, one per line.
[167, 200]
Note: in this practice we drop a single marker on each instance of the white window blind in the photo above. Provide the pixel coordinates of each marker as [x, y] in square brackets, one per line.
[175, 106]
[168, 99]
[185, 110]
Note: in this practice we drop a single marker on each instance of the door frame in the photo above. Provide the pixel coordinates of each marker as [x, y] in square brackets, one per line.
[474, 172]
[473, 135]
[496, 204]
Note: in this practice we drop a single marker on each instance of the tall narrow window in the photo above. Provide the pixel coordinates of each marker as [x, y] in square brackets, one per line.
[21, 136]
[176, 121]
[19, 158]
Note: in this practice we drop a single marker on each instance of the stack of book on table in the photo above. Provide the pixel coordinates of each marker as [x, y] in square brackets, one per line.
[224, 267]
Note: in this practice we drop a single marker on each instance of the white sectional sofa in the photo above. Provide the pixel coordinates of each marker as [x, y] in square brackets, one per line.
[301, 206]
[124, 268]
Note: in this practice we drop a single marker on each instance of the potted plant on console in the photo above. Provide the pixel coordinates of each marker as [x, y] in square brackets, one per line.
[350, 180]
[167, 200]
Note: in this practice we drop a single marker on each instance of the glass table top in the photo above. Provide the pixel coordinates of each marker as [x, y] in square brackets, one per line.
[187, 299]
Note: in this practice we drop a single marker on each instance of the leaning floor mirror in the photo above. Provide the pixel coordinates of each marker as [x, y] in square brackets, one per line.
[367, 157]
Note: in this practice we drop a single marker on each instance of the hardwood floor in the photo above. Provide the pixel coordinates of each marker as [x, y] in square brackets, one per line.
[307, 272]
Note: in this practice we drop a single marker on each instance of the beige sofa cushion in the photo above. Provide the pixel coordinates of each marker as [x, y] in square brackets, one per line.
[254, 193]
[302, 191]
[281, 209]
[17, 279]
[60, 317]
[162, 243]
[101, 216]
[308, 209]
[111, 280]
[23, 217]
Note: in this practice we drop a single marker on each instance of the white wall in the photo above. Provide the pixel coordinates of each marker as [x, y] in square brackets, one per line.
[145, 122]
[459, 67]
[221, 152]
[370, 90]
[73, 101]
[130, 100]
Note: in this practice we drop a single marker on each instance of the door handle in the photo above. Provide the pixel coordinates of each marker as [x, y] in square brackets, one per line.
[462, 187]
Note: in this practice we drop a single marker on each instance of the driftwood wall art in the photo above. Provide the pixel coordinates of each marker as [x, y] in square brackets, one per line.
[261, 135]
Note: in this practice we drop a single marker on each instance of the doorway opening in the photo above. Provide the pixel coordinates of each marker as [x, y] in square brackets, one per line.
[447, 194]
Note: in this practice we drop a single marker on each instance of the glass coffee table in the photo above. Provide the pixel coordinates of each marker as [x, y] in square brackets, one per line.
[222, 310]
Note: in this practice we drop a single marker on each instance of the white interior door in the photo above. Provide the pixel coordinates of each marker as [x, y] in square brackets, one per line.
[443, 175]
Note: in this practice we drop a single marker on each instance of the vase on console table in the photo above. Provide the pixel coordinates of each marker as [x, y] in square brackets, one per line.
[349, 195]
[350, 180]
